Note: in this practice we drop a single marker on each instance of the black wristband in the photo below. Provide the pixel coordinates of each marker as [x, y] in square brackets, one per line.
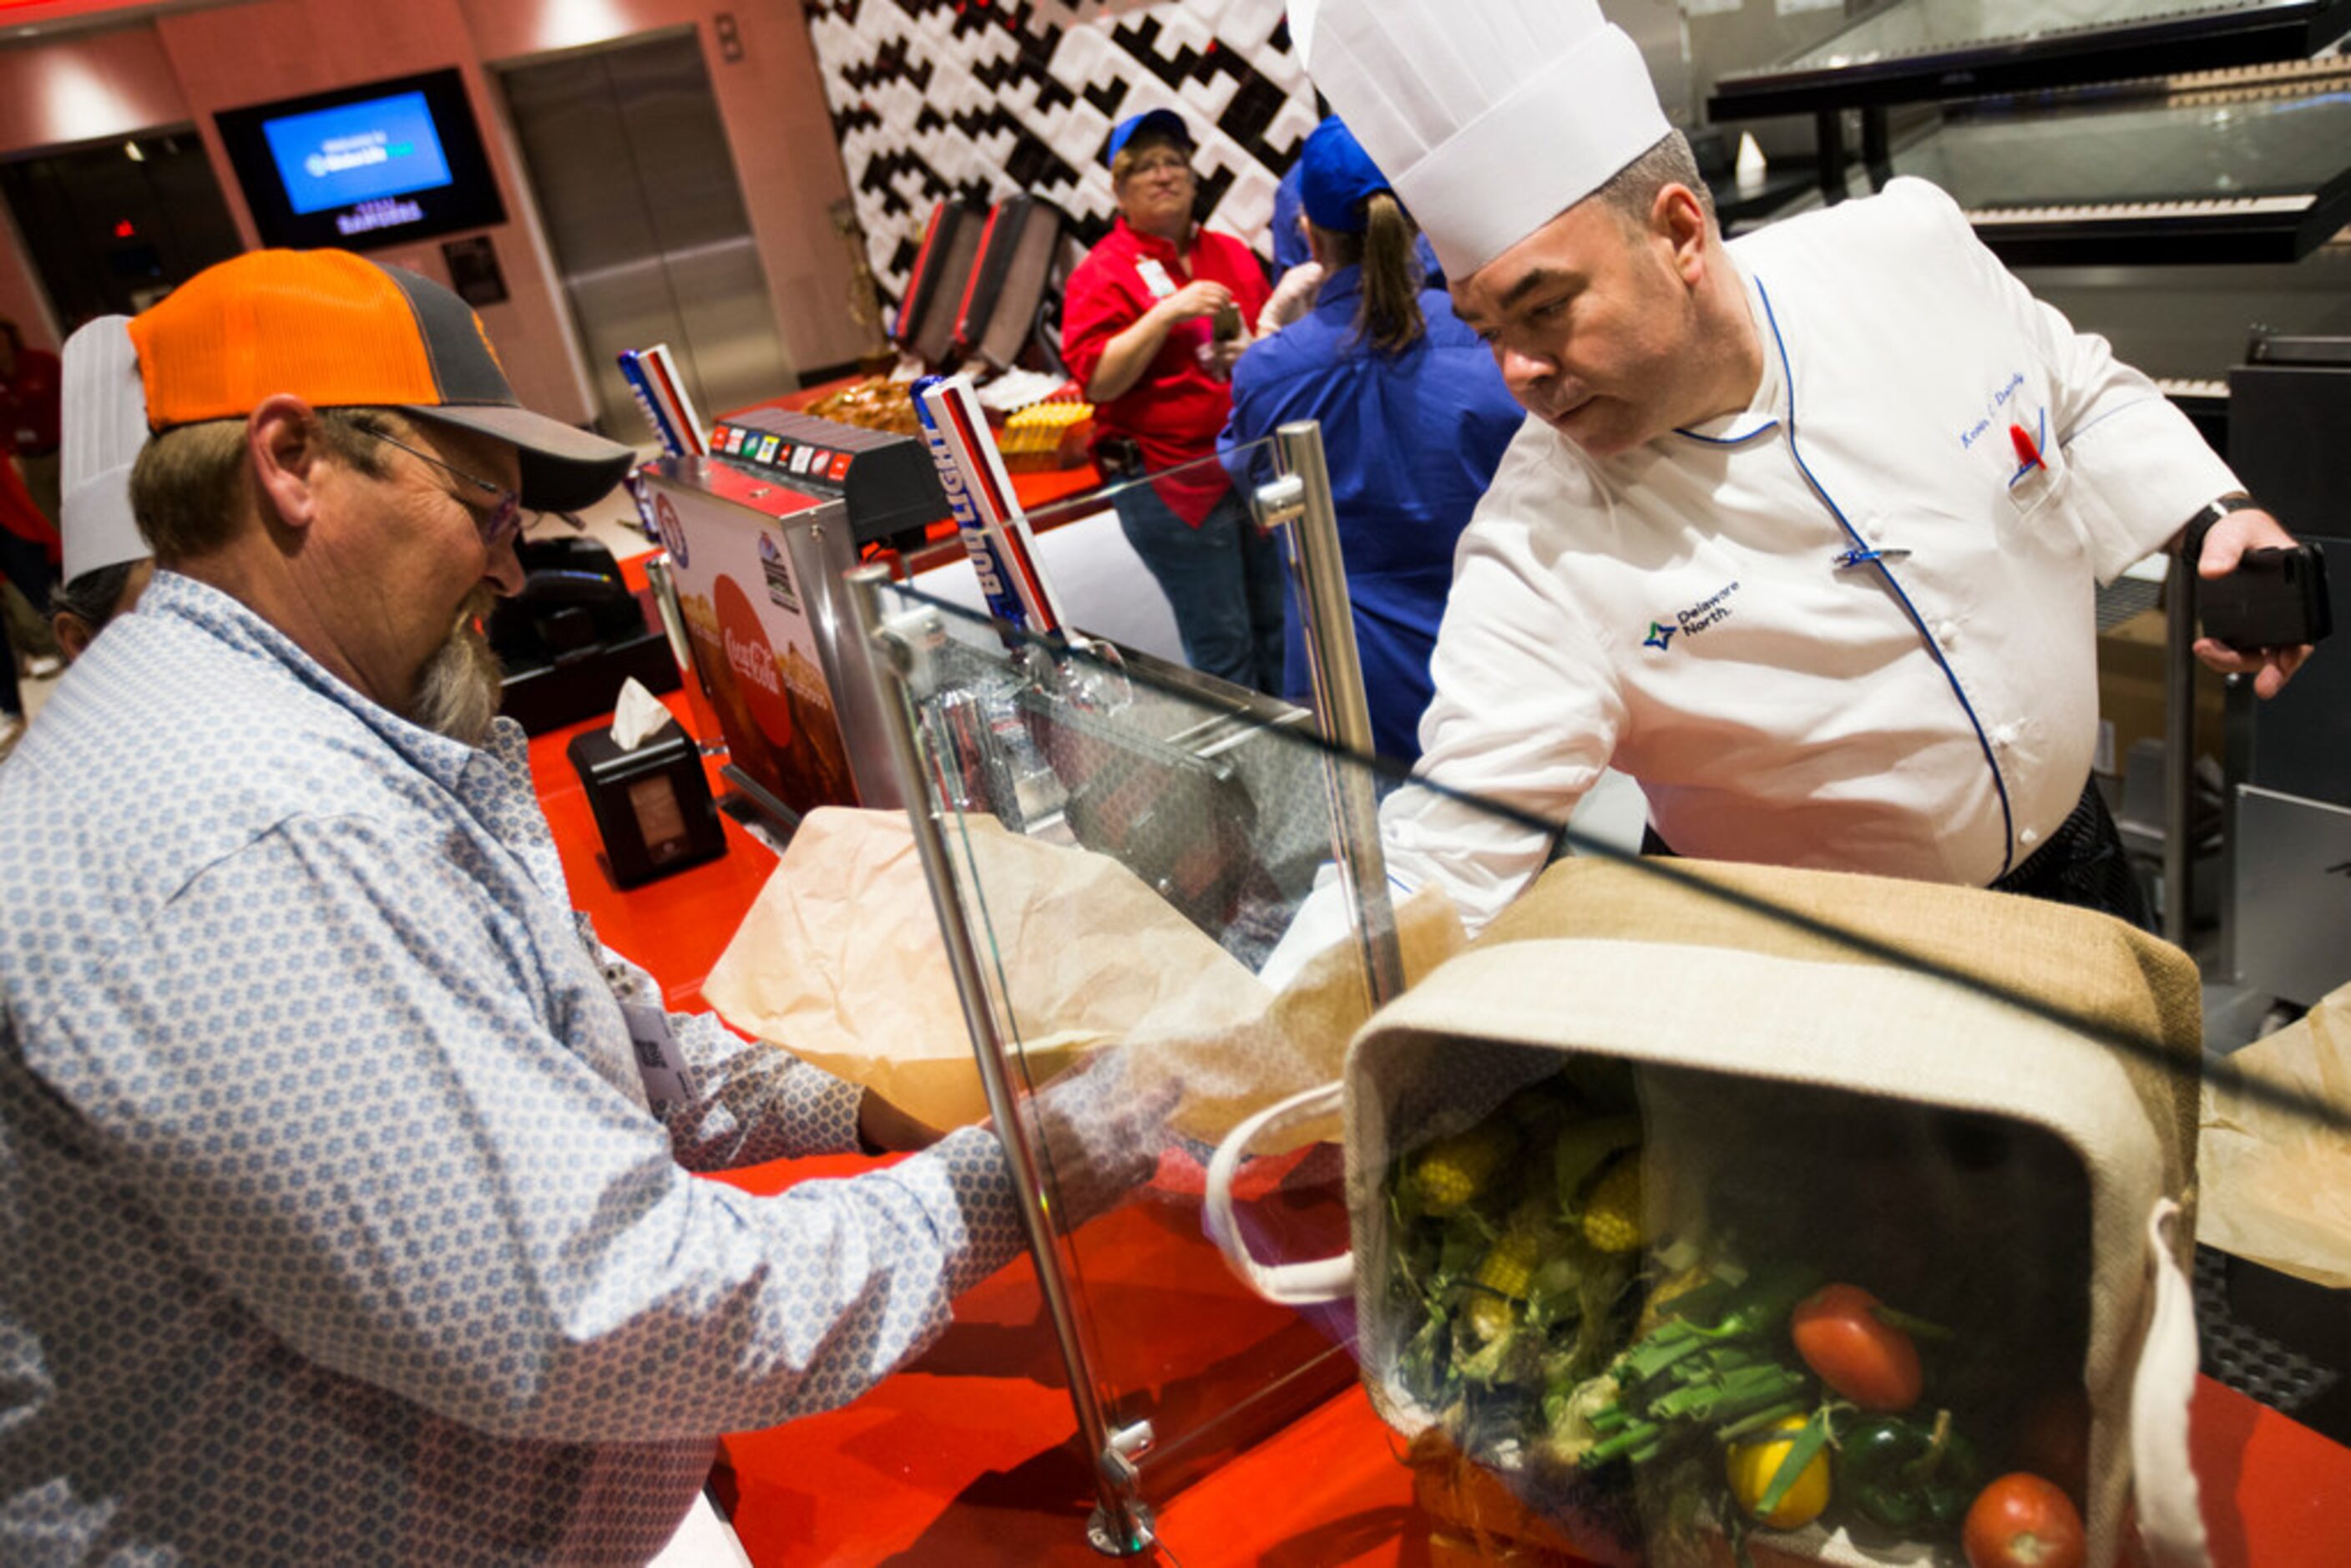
[2212, 511]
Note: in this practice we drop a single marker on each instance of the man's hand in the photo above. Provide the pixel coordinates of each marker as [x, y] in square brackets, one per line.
[1102, 1136]
[2225, 544]
[883, 1126]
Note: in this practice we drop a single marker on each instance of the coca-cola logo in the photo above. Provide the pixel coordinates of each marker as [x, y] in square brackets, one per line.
[753, 660]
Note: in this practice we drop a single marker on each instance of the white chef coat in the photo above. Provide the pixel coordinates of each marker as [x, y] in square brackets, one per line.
[1704, 613]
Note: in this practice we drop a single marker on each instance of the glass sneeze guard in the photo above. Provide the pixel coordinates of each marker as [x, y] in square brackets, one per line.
[1168, 834]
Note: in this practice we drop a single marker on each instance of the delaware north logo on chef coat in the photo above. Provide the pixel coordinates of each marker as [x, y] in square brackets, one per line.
[1711, 610]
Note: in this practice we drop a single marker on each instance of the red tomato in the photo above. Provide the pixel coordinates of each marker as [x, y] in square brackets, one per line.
[1872, 1364]
[2023, 1522]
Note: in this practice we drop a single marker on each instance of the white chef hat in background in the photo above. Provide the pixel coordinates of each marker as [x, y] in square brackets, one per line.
[1493, 117]
[102, 425]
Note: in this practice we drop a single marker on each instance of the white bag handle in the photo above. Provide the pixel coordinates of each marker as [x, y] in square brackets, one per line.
[1284, 1284]
[2171, 1523]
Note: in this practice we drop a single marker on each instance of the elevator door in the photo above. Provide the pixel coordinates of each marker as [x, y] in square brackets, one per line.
[113, 229]
[636, 187]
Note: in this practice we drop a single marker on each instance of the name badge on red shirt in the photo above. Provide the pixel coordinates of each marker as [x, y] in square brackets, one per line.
[1154, 278]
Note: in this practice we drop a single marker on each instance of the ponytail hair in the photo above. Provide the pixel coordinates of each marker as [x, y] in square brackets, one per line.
[1387, 316]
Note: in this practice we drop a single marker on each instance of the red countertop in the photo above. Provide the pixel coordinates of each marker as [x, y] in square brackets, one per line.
[969, 1455]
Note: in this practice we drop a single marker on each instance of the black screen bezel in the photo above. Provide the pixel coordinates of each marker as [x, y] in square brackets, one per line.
[470, 200]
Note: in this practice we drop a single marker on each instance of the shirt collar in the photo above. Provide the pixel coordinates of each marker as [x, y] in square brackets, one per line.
[1153, 245]
[1769, 404]
[233, 622]
[1345, 283]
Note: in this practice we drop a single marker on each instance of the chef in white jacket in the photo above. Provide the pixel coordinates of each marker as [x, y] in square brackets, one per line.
[1804, 530]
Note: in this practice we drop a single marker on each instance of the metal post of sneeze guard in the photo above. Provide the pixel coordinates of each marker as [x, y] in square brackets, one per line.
[1298, 504]
[1122, 1523]
[2178, 749]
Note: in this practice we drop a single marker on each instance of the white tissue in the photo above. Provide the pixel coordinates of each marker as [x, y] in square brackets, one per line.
[638, 717]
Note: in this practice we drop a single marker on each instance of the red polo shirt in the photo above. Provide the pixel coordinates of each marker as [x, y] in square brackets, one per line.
[1175, 412]
[28, 404]
[21, 517]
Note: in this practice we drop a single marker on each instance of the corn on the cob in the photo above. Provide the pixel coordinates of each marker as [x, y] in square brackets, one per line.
[1453, 1170]
[1612, 1215]
[1507, 1270]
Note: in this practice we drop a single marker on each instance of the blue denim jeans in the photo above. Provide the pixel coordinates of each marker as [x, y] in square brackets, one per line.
[1222, 578]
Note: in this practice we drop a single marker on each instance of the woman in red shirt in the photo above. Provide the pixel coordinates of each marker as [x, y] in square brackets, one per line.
[1151, 324]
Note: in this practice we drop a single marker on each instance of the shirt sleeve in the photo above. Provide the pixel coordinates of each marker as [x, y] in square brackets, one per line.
[335, 1075]
[1245, 275]
[2139, 467]
[1095, 308]
[753, 1100]
[1247, 422]
[1526, 710]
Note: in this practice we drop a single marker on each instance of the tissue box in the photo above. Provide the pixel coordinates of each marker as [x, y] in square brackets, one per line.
[653, 804]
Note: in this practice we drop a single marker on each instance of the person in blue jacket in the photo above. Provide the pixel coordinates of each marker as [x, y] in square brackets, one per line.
[1415, 418]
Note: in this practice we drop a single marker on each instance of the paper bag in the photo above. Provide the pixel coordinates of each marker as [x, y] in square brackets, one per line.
[840, 961]
[2277, 1180]
[1240, 1049]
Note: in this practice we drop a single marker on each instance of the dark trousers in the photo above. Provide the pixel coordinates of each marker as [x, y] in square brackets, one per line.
[2083, 863]
[1222, 578]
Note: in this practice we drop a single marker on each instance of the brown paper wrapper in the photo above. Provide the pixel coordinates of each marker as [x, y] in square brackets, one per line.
[2277, 1182]
[1235, 1050]
[839, 960]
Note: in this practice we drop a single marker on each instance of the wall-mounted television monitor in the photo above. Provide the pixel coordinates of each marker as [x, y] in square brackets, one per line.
[365, 166]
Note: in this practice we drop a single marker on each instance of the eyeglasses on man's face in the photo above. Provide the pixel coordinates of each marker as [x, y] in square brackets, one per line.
[498, 516]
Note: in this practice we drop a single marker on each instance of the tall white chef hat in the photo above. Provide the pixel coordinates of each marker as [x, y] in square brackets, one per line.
[1493, 117]
[103, 423]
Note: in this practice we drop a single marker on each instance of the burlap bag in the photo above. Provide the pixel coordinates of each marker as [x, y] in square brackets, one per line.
[1919, 995]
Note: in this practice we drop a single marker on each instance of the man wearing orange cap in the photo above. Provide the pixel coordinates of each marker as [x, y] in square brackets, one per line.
[354, 1230]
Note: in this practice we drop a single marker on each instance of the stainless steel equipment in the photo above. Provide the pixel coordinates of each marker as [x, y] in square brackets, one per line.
[636, 187]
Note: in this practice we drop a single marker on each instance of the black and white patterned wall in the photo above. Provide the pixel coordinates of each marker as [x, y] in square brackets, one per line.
[982, 99]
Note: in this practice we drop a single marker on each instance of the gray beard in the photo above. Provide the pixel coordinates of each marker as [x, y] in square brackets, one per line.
[458, 689]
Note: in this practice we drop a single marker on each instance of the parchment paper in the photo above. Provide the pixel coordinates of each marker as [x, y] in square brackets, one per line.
[839, 960]
[2277, 1184]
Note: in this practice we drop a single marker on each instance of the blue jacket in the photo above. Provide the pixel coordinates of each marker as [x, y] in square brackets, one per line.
[1412, 440]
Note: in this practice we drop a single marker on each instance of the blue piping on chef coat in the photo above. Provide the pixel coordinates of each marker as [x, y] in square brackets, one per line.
[1862, 555]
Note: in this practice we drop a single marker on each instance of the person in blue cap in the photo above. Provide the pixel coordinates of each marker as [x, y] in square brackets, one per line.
[1415, 418]
[1152, 321]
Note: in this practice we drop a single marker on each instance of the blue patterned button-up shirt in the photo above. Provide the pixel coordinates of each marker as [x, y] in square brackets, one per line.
[334, 1226]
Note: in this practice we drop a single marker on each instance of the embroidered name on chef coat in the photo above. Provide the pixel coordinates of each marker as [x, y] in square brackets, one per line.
[1996, 413]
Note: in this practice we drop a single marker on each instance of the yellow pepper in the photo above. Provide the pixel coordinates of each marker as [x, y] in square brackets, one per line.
[1752, 1463]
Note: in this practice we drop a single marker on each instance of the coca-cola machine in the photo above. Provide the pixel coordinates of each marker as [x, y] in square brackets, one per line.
[756, 564]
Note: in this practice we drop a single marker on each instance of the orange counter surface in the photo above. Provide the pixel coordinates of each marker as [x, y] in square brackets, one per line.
[969, 1456]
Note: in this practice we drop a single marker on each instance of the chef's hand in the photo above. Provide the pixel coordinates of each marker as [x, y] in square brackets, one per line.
[883, 1128]
[2225, 544]
[1101, 1133]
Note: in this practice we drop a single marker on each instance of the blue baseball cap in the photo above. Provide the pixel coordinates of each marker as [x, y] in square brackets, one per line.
[1157, 121]
[1336, 177]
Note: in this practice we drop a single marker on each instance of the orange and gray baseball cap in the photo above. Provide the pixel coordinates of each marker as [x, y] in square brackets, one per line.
[340, 331]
